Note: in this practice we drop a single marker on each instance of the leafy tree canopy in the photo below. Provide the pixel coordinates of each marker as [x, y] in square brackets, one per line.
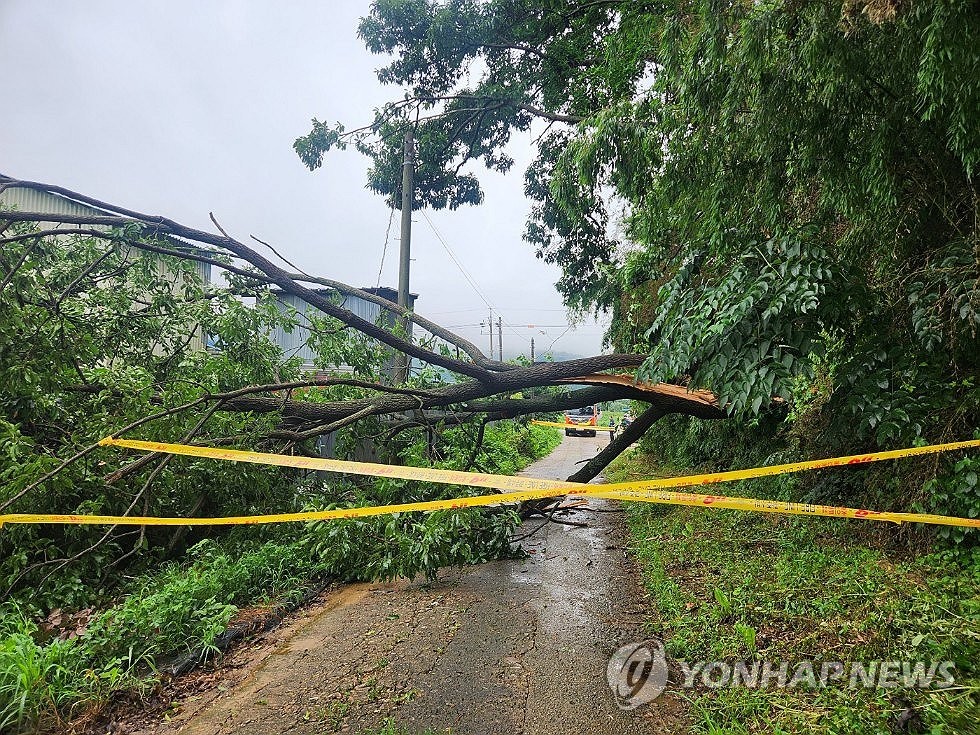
[793, 185]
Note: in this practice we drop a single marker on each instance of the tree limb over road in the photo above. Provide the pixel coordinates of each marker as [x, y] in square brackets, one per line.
[485, 388]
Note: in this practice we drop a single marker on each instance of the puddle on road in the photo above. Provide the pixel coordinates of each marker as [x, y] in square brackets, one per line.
[564, 566]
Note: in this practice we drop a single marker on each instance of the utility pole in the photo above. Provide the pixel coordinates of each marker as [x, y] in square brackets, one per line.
[500, 338]
[532, 349]
[490, 329]
[401, 360]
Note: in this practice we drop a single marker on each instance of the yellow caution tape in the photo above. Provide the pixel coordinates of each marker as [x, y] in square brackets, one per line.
[318, 515]
[520, 489]
[758, 505]
[579, 427]
[370, 469]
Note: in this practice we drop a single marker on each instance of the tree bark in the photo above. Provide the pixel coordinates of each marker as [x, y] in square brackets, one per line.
[617, 446]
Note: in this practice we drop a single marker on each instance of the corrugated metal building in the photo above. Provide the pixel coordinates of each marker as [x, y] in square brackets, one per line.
[30, 200]
[295, 342]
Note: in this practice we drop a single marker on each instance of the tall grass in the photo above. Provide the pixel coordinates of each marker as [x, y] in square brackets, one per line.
[35, 680]
[178, 609]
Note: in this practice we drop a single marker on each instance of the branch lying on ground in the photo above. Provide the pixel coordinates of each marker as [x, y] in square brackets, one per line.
[92, 447]
[489, 377]
[632, 433]
[477, 445]
[532, 376]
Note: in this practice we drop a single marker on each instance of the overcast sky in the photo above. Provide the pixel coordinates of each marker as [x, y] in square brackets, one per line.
[183, 107]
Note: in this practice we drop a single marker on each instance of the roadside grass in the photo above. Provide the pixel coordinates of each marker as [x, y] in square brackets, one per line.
[176, 610]
[744, 587]
[616, 416]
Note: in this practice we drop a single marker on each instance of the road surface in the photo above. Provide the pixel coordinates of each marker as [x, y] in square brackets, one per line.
[511, 647]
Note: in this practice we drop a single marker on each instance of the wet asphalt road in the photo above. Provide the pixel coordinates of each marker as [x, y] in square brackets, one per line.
[515, 646]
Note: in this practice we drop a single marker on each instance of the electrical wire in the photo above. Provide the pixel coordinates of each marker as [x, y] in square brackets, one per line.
[483, 297]
[557, 338]
[469, 278]
[384, 250]
[452, 256]
[454, 311]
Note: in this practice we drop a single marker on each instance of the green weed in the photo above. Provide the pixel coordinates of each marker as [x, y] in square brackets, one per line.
[730, 586]
[181, 608]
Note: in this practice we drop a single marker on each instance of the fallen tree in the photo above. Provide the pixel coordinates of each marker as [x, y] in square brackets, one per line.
[100, 308]
[484, 387]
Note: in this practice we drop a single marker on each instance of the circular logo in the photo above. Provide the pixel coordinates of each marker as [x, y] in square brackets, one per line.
[637, 673]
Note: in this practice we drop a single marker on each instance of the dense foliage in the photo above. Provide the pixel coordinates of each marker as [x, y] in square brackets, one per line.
[96, 336]
[773, 199]
[50, 671]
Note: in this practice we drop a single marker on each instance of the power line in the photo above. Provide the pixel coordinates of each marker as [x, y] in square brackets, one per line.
[466, 275]
[455, 311]
[384, 250]
[452, 255]
[521, 326]
[483, 297]
[558, 338]
[480, 308]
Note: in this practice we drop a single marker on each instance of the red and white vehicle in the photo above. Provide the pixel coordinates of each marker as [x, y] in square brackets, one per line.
[586, 417]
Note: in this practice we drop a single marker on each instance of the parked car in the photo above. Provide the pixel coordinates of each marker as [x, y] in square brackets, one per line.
[585, 417]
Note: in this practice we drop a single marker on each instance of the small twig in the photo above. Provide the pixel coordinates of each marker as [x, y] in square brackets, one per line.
[277, 253]
[71, 287]
[477, 445]
[13, 271]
